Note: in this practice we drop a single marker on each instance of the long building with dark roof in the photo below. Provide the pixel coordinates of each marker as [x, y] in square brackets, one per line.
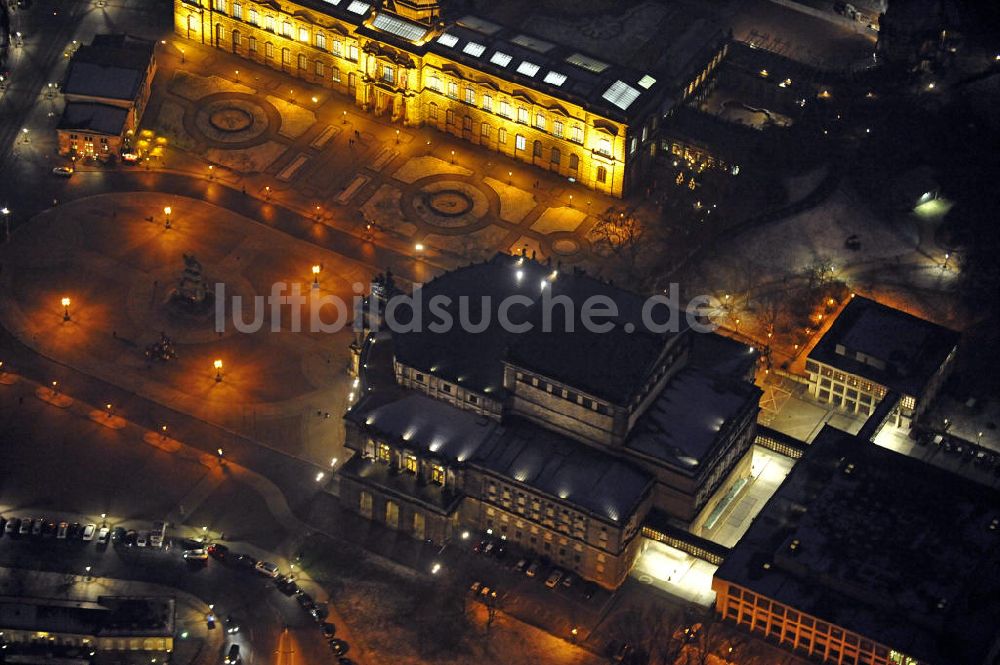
[865, 556]
[586, 107]
[559, 442]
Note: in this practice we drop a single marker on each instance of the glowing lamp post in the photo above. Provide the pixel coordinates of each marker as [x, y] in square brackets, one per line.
[315, 271]
[218, 370]
[65, 303]
[166, 211]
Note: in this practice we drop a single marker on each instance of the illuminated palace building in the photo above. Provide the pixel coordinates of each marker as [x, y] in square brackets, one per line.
[576, 446]
[540, 95]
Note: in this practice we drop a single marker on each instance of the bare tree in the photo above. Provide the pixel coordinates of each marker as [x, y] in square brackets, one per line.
[621, 231]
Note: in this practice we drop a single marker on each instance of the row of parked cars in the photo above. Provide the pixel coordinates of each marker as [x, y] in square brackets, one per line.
[554, 576]
[968, 452]
[285, 584]
[22, 527]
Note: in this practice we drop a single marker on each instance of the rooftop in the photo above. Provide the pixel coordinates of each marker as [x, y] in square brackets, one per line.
[560, 467]
[110, 615]
[93, 117]
[884, 545]
[907, 350]
[682, 426]
[610, 365]
[112, 67]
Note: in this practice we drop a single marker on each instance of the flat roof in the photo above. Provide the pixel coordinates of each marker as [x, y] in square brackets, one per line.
[113, 67]
[887, 546]
[683, 424]
[610, 365]
[94, 117]
[913, 349]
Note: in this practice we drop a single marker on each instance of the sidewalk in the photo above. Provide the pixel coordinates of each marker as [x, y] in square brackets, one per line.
[194, 644]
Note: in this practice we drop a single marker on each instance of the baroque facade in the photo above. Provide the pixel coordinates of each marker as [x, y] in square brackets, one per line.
[562, 110]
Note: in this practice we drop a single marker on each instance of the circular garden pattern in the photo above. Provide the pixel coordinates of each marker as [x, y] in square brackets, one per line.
[234, 119]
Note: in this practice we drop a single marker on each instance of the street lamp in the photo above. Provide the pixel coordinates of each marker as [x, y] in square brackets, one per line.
[211, 171]
[237, 76]
[166, 212]
[452, 156]
[510, 177]
[218, 370]
[65, 303]
[315, 271]
[267, 192]
[345, 117]
[108, 410]
[397, 137]
[5, 211]
[24, 134]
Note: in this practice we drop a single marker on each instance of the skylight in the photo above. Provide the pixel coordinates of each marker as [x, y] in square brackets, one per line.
[332, 2]
[534, 44]
[588, 63]
[472, 48]
[555, 78]
[621, 94]
[397, 26]
[647, 81]
[448, 40]
[527, 68]
[500, 58]
[358, 7]
[478, 24]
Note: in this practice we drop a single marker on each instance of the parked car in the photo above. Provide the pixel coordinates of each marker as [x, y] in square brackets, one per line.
[532, 569]
[63, 171]
[232, 626]
[13, 524]
[103, 535]
[63, 531]
[552, 581]
[233, 657]
[267, 568]
[218, 552]
[286, 585]
[89, 531]
[568, 580]
[329, 630]
[118, 535]
[198, 554]
[34, 527]
[75, 531]
[521, 564]
[305, 601]
[49, 529]
[142, 540]
[589, 590]
[245, 561]
[131, 537]
[339, 647]
[474, 587]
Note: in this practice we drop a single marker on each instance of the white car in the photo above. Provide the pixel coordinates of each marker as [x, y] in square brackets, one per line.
[103, 535]
[89, 531]
[142, 539]
[553, 579]
[199, 554]
[267, 568]
[12, 526]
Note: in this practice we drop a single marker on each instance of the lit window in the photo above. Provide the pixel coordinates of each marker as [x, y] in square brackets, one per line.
[484, 131]
[352, 52]
[604, 147]
[500, 58]
[335, 75]
[286, 29]
[269, 23]
[410, 463]
[555, 78]
[338, 48]
[474, 49]
[254, 17]
[520, 143]
[303, 35]
[321, 41]
[540, 121]
[576, 134]
[527, 68]
[522, 114]
[502, 136]
[237, 10]
[452, 89]
[505, 108]
[487, 103]
[384, 452]
[434, 83]
[437, 474]
[388, 74]
[219, 5]
[470, 96]
[320, 68]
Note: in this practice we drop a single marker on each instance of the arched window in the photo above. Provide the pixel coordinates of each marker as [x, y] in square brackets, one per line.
[574, 162]
[555, 157]
[602, 174]
[536, 150]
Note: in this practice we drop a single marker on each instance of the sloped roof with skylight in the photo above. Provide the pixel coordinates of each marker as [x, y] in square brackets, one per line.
[533, 43]
[646, 82]
[621, 94]
[447, 40]
[358, 7]
[500, 58]
[408, 30]
[527, 68]
[474, 49]
[479, 25]
[555, 78]
[588, 63]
